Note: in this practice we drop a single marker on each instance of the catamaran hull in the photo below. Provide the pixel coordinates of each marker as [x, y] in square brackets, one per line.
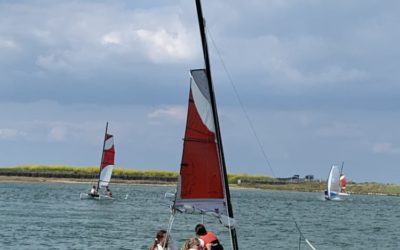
[85, 196]
[332, 196]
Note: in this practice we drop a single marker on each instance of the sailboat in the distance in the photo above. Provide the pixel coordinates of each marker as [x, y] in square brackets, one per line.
[101, 190]
[203, 184]
[332, 184]
[342, 182]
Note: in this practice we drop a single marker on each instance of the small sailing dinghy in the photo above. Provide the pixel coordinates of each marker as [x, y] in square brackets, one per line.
[342, 182]
[203, 185]
[101, 190]
[333, 189]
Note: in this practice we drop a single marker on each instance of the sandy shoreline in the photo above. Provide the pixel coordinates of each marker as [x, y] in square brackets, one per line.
[78, 180]
[28, 179]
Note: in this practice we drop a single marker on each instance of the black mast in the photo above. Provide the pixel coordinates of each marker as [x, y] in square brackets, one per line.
[341, 169]
[215, 116]
[102, 156]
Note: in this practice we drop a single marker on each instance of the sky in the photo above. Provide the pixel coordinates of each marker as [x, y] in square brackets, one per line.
[318, 81]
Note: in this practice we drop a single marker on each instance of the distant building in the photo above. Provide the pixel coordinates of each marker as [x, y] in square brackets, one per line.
[309, 177]
[296, 178]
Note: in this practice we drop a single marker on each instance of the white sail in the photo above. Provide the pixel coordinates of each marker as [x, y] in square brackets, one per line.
[333, 187]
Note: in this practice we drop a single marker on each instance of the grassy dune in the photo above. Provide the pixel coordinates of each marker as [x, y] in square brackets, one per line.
[300, 187]
[374, 188]
[94, 170]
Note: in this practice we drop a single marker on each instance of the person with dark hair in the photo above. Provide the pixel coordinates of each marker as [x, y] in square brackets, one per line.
[108, 190]
[93, 192]
[162, 242]
[207, 239]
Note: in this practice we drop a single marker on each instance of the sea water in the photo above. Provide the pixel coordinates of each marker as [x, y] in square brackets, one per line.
[51, 216]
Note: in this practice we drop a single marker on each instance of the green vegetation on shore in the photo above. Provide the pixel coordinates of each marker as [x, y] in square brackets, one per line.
[91, 170]
[94, 170]
[374, 188]
[155, 176]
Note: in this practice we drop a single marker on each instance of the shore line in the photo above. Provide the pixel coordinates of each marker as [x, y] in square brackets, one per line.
[32, 179]
[79, 180]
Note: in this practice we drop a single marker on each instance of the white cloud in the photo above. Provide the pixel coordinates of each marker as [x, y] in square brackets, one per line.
[111, 38]
[10, 134]
[72, 36]
[128, 58]
[287, 62]
[385, 148]
[170, 112]
[164, 46]
[7, 43]
[57, 134]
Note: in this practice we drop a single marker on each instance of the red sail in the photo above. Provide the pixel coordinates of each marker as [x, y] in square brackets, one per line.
[109, 152]
[342, 182]
[200, 168]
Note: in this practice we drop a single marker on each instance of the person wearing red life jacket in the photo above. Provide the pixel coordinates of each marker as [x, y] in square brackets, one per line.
[207, 239]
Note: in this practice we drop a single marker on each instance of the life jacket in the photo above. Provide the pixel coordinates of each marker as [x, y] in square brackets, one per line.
[210, 237]
[217, 246]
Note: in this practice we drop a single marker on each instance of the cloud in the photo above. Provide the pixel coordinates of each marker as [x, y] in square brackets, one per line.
[111, 38]
[63, 35]
[164, 46]
[6, 44]
[314, 73]
[337, 129]
[169, 113]
[10, 134]
[58, 134]
[54, 61]
[385, 148]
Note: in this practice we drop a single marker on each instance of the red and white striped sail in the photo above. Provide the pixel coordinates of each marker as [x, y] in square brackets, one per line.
[200, 186]
[107, 162]
[342, 183]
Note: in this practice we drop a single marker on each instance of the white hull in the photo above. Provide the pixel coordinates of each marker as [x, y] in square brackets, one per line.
[344, 194]
[84, 196]
[332, 199]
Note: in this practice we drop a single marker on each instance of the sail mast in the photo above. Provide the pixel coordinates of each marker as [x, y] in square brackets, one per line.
[341, 169]
[102, 156]
[216, 121]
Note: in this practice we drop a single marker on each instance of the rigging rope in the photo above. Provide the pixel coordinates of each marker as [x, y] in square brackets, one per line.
[230, 232]
[241, 104]
[171, 221]
[303, 237]
[254, 131]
